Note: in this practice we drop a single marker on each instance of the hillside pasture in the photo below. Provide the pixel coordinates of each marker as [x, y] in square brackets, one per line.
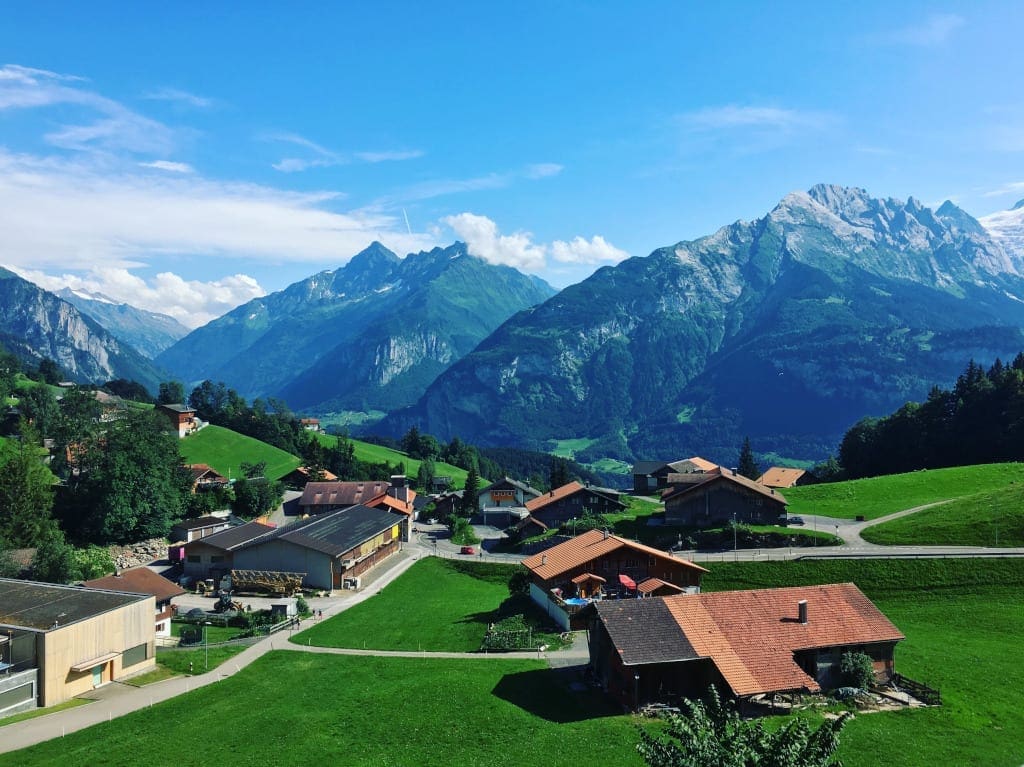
[876, 497]
[370, 453]
[226, 450]
[994, 518]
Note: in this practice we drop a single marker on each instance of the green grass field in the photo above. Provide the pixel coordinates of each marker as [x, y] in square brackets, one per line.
[877, 496]
[297, 708]
[365, 451]
[441, 608]
[226, 450]
[994, 518]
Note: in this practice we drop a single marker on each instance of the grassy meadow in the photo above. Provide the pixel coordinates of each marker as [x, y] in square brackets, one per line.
[877, 496]
[444, 606]
[994, 518]
[366, 451]
[226, 450]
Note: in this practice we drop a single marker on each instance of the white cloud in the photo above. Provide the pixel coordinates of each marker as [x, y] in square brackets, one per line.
[483, 239]
[934, 30]
[394, 155]
[191, 302]
[582, 251]
[178, 96]
[297, 164]
[440, 187]
[1012, 187]
[325, 158]
[173, 167]
[542, 170]
[734, 116]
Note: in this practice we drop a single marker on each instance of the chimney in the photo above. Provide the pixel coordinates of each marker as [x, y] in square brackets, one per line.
[605, 531]
[543, 559]
[801, 607]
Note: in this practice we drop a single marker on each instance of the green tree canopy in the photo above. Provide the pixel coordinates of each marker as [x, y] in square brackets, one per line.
[26, 493]
[747, 466]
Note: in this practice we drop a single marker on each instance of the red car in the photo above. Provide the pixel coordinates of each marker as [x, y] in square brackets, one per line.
[467, 550]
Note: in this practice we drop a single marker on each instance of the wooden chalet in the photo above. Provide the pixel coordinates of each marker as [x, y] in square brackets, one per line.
[653, 476]
[617, 563]
[720, 497]
[300, 475]
[572, 501]
[205, 478]
[757, 642]
[182, 418]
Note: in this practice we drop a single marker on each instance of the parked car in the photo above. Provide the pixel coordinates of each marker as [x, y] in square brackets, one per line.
[796, 520]
[467, 550]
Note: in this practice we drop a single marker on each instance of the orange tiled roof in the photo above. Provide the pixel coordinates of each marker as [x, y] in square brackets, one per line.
[555, 495]
[781, 476]
[703, 464]
[584, 548]
[588, 577]
[403, 507]
[304, 471]
[751, 635]
[653, 584]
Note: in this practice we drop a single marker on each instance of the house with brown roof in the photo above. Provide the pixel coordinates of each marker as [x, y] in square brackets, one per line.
[503, 503]
[191, 529]
[572, 501]
[300, 475]
[720, 497]
[747, 643]
[142, 580]
[205, 477]
[182, 418]
[619, 562]
[320, 497]
[310, 424]
[785, 476]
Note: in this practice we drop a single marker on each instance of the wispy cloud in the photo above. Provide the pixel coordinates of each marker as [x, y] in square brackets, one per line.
[932, 31]
[763, 117]
[172, 167]
[426, 190]
[1012, 187]
[484, 239]
[320, 156]
[179, 96]
[107, 125]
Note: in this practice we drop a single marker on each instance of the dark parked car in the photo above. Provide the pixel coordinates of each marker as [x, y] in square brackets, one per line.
[796, 520]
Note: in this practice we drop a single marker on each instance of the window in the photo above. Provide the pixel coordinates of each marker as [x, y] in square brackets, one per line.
[134, 655]
[194, 558]
[217, 558]
[16, 695]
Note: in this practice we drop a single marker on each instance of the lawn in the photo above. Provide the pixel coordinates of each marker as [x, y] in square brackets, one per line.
[370, 453]
[226, 450]
[994, 518]
[302, 708]
[877, 496]
[197, 661]
[437, 604]
[73, 703]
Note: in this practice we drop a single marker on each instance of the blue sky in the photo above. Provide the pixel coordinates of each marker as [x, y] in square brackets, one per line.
[190, 156]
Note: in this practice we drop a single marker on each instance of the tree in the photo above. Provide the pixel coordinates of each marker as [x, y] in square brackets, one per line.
[54, 561]
[26, 494]
[747, 466]
[425, 474]
[856, 670]
[559, 474]
[256, 495]
[470, 491]
[39, 407]
[711, 733]
[171, 393]
[50, 372]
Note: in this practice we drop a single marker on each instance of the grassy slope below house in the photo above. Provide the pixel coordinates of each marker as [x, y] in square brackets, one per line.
[301, 708]
[443, 606]
[370, 453]
[961, 617]
[226, 450]
[984, 519]
[877, 496]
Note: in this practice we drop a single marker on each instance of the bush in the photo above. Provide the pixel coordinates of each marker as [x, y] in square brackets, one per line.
[856, 670]
[302, 605]
[519, 583]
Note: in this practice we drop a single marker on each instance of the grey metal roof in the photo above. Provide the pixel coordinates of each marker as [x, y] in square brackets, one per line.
[39, 606]
[647, 467]
[233, 537]
[336, 532]
[195, 524]
[508, 481]
[644, 631]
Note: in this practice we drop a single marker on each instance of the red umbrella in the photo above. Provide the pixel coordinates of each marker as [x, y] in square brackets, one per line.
[628, 582]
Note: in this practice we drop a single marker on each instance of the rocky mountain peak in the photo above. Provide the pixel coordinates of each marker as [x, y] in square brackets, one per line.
[1019, 204]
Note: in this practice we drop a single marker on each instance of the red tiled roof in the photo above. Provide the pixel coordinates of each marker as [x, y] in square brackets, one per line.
[403, 507]
[588, 577]
[555, 495]
[702, 464]
[781, 476]
[651, 585]
[752, 635]
[330, 494]
[138, 580]
[584, 548]
[719, 475]
[303, 471]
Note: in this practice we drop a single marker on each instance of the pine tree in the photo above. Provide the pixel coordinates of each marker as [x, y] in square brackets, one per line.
[470, 491]
[747, 466]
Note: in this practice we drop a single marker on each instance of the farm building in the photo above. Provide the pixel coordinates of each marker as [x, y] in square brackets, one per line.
[572, 501]
[652, 476]
[320, 497]
[299, 476]
[193, 529]
[212, 556]
[597, 564]
[720, 497]
[57, 642]
[784, 476]
[142, 580]
[755, 642]
[329, 548]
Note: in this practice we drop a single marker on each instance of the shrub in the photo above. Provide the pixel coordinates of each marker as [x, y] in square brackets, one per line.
[302, 605]
[519, 583]
[856, 670]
